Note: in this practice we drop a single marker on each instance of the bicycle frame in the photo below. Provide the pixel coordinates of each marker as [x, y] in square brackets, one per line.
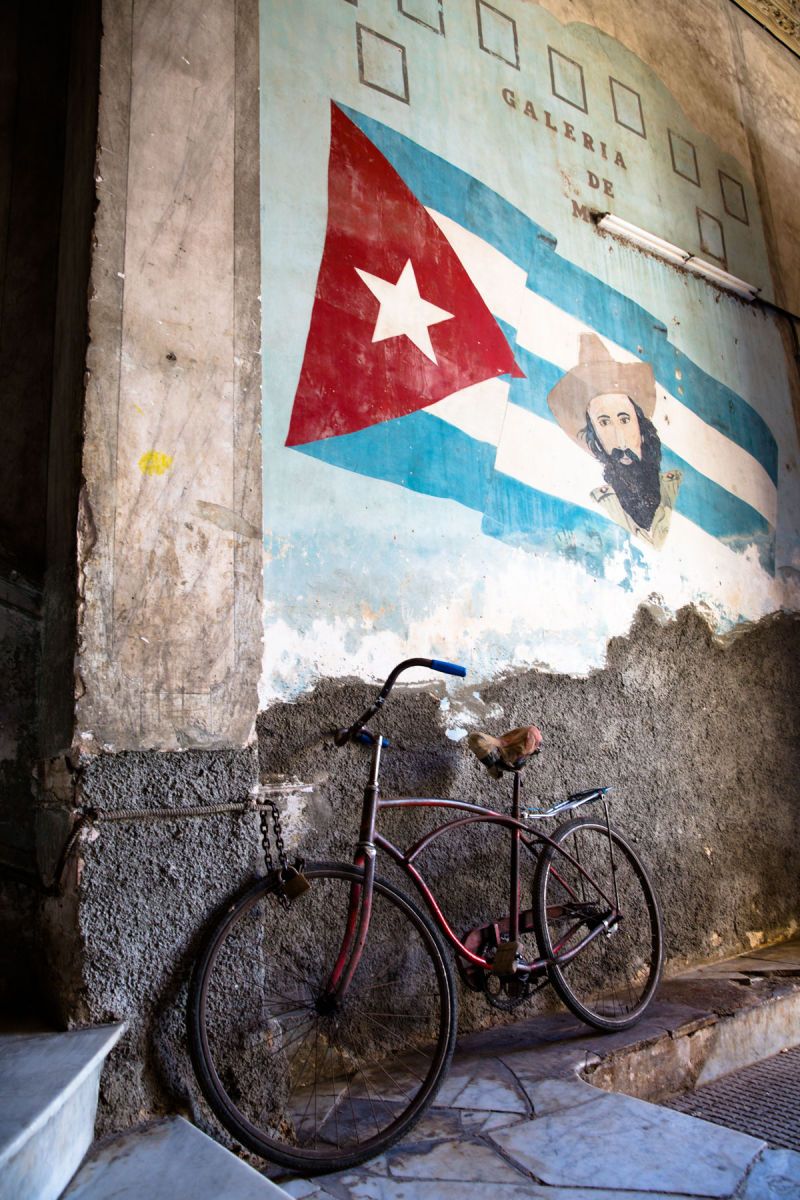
[370, 842]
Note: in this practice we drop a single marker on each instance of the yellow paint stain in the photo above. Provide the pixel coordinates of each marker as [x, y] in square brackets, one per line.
[155, 463]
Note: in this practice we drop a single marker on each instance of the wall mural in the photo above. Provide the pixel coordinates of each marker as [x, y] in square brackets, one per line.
[459, 330]
[607, 408]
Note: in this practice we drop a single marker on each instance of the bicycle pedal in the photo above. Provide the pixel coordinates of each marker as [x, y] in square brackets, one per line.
[294, 883]
[505, 958]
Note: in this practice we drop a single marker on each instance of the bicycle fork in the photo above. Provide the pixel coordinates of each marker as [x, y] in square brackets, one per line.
[359, 912]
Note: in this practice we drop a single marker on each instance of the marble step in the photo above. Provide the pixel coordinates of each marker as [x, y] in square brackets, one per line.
[170, 1159]
[48, 1101]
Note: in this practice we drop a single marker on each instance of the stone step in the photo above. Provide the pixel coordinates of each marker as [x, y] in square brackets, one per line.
[170, 1159]
[48, 1100]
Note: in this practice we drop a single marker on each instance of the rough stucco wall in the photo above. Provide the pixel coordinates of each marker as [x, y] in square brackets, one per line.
[145, 891]
[770, 82]
[745, 97]
[697, 738]
[672, 45]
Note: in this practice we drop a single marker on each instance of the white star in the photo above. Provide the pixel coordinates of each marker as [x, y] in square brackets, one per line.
[403, 311]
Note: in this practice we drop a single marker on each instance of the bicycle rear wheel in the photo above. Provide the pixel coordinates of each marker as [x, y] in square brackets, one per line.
[612, 979]
[311, 1086]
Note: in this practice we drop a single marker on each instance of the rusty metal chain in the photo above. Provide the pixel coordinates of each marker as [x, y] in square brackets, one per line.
[259, 801]
[264, 816]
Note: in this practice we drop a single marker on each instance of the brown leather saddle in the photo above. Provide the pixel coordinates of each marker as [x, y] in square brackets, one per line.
[509, 752]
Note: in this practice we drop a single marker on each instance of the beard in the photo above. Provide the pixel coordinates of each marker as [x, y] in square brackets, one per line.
[636, 483]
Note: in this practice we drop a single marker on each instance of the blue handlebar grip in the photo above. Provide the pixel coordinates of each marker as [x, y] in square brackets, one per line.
[367, 739]
[448, 668]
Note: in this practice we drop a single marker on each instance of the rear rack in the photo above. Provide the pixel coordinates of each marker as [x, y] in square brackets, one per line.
[574, 801]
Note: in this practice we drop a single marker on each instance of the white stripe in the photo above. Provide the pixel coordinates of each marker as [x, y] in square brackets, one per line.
[529, 448]
[531, 452]
[478, 410]
[554, 335]
[535, 451]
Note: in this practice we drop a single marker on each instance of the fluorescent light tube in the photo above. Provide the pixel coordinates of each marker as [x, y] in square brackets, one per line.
[724, 279]
[609, 223]
[628, 232]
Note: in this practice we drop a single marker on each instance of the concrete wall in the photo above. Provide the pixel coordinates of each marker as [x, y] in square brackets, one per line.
[483, 138]
[427, 486]
[169, 551]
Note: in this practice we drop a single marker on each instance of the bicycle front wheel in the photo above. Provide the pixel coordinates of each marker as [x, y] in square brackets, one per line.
[311, 1085]
[584, 883]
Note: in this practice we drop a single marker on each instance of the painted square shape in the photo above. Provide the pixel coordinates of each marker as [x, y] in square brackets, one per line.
[566, 77]
[712, 236]
[382, 63]
[497, 33]
[684, 158]
[627, 107]
[425, 12]
[733, 198]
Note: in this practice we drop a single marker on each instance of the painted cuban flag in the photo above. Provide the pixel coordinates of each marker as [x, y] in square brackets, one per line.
[452, 351]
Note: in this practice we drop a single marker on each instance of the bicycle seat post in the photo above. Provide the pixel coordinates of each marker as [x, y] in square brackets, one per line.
[516, 807]
[513, 932]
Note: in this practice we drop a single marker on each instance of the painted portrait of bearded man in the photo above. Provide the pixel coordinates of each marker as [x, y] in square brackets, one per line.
[606, 407]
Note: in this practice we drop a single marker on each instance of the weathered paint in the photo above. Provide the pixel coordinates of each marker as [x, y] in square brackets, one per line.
[170, 555]
[472, 520]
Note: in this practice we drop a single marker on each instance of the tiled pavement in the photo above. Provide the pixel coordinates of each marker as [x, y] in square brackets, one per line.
[515, 1120]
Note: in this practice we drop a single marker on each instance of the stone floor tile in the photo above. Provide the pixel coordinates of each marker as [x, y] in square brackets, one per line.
[551, 1095]
[775, 1176]
[416, 1189]
[454, 1160]
[167, 1160]
[479, 1122]
[458, 1077]
[490, 1086]
[301, 1189]
[619, 1143]
[425, 1189]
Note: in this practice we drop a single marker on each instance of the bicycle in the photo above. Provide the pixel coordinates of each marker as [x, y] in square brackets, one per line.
[322, 1009]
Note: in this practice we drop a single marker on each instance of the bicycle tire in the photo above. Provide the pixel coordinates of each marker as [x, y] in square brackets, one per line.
[251, 1061]
[610, 983]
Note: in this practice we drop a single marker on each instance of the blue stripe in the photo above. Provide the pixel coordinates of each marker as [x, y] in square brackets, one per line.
[442, 186]
[523, 516]
[541, 377]
[720, 512]
[419, 452]
[427, 455]
[706, 503]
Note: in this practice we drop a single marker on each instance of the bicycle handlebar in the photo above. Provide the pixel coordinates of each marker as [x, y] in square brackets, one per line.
[342, 736]
[448, 668]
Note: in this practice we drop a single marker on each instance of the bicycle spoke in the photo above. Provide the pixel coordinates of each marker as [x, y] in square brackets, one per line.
[612, 977]
[352, 1109]
[318, 1079]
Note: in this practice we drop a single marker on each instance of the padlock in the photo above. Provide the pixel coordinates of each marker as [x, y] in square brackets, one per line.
[505, 958]
[294, 883]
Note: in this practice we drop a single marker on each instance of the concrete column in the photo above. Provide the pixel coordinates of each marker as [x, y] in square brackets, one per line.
[169, 546]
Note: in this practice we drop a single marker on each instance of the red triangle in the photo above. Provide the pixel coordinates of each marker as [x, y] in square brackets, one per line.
[377, 225]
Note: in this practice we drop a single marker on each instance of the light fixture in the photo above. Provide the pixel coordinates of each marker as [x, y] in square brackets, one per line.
[612, 224]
